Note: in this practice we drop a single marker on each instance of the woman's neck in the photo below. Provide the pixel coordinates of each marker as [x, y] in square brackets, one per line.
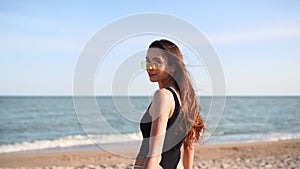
[167, 83]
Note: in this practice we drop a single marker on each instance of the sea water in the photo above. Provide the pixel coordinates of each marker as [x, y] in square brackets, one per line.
[42, 123]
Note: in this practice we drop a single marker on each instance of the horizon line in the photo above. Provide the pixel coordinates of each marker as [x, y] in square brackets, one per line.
[139, 95]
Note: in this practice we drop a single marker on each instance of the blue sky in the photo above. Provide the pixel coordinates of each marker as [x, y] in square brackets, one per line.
[257, 43]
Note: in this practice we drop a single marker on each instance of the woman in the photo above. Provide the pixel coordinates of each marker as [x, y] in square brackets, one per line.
[173, 117]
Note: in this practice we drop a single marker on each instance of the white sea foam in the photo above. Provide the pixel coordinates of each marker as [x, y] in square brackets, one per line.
[281, 136]
[238, 138]
[70, 141]
[82, 140]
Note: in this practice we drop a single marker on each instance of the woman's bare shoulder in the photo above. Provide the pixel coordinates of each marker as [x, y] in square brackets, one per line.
[161, 102]
[163, 95]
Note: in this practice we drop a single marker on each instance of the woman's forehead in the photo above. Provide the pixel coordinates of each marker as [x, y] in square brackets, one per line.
[154, 53]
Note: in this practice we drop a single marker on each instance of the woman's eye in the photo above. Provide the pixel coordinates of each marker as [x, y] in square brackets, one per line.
[158, 62]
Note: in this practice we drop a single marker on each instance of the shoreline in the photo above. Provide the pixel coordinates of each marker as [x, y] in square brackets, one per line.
[205, 155]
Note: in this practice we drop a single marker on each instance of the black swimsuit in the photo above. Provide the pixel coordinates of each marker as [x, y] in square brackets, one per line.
[173, 137]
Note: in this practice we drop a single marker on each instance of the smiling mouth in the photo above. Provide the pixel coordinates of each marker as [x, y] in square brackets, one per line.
[151, 74]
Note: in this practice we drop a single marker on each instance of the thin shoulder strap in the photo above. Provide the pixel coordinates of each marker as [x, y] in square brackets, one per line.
[174, 95]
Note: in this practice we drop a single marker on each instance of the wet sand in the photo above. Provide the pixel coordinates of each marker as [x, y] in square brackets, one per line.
[274, 154]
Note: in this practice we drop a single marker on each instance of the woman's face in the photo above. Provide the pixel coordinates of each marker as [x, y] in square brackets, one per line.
[157, 67]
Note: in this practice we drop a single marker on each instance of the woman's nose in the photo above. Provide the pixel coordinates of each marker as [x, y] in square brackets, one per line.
[152, 67]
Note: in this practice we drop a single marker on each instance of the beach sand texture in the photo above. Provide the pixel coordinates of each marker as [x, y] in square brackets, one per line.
[273, 154]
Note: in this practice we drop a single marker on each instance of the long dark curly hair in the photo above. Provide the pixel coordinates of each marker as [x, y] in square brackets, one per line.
[192, 121]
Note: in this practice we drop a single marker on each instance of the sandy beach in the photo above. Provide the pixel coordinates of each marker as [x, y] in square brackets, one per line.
[275, 154]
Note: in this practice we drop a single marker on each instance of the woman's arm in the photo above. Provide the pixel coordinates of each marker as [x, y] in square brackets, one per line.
[160, 109]
[188, 155]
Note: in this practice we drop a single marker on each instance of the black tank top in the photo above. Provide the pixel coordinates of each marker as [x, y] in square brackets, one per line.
[173, 137]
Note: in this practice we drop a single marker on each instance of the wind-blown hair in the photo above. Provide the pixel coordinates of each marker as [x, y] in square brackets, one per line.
[192, 121]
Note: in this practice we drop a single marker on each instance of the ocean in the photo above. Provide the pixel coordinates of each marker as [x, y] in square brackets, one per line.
[52, 123]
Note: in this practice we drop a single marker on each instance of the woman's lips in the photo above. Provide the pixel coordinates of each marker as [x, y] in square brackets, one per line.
[151, 74]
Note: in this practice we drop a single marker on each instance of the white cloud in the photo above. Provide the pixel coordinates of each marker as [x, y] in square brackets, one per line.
[257, 33]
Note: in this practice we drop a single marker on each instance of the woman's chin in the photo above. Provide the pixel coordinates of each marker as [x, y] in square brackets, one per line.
[152, 80]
